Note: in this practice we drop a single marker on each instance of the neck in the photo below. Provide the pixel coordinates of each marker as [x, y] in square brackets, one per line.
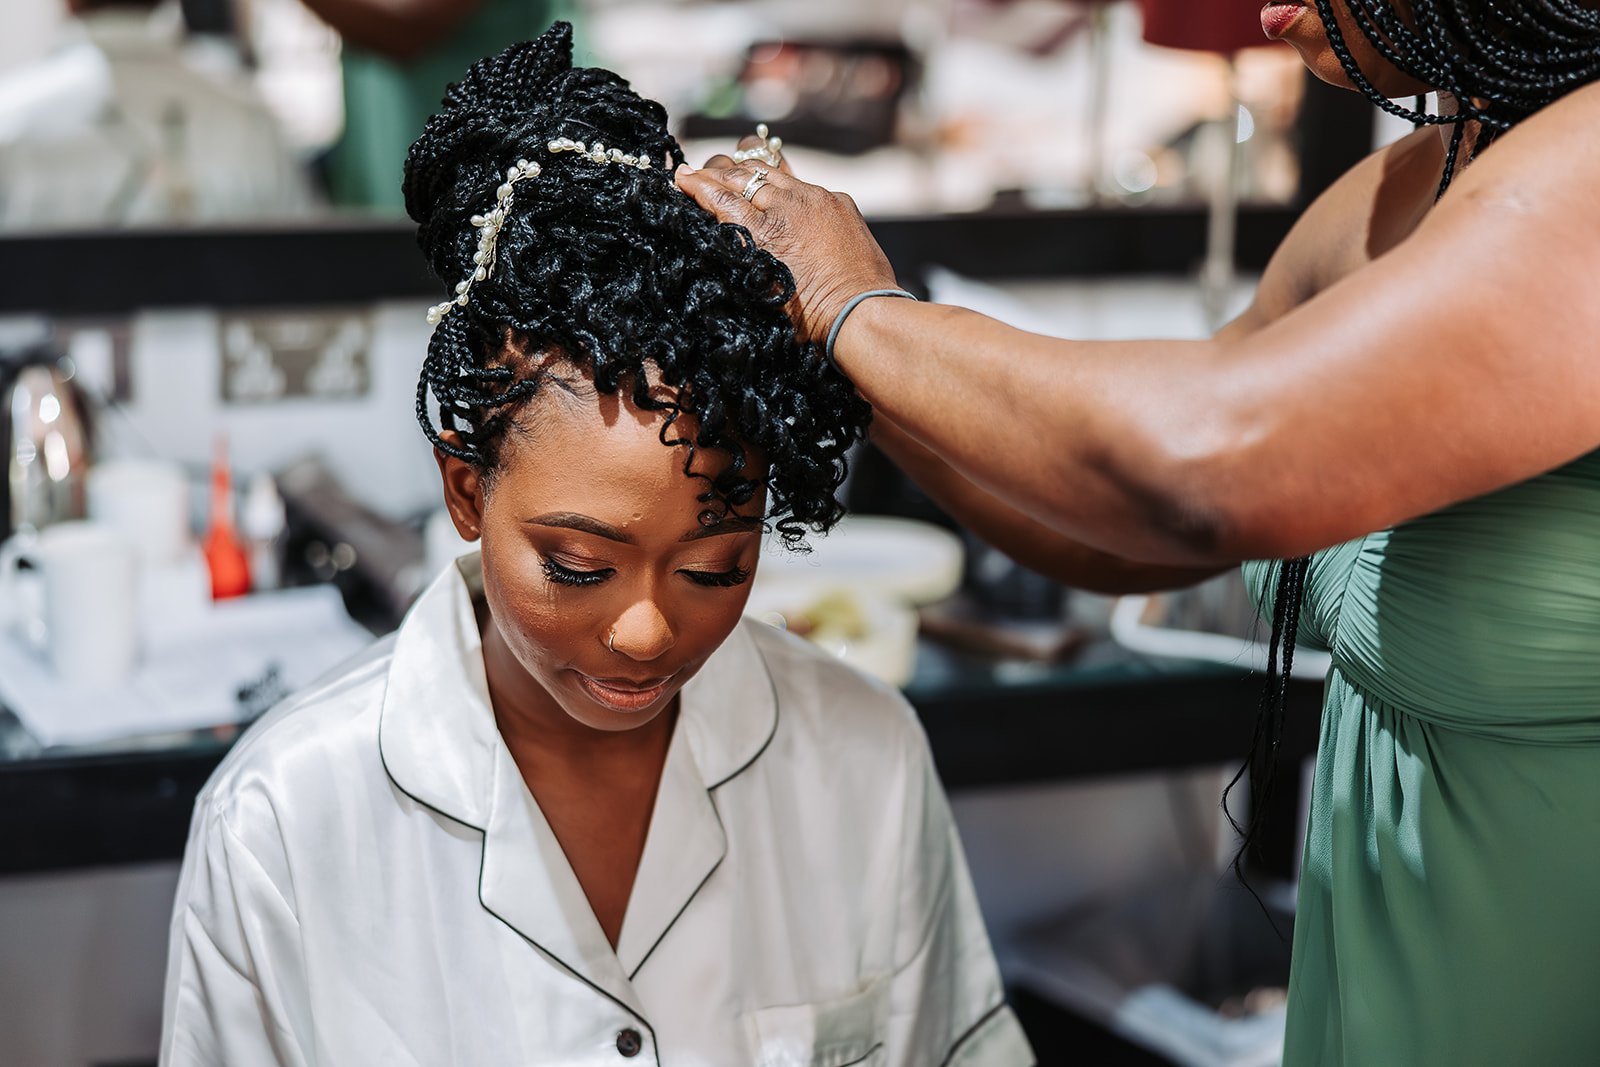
[1449, 104]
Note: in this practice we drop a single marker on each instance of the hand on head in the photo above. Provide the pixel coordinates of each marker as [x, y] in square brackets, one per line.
[819, 235]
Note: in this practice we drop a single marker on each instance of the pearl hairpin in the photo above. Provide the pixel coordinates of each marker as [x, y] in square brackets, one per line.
[599, 153]
[488, 225]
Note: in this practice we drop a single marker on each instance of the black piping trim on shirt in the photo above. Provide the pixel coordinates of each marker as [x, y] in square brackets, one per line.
[412, 796]
[864, 1057]
[971, 1030]
[655, 1044]
[773, 685]
[662, 937]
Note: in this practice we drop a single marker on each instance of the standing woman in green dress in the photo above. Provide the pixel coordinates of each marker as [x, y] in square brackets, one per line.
[1409, 416]
[396, 58]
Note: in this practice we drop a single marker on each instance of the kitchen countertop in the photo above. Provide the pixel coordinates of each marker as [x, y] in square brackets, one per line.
[1107, 711]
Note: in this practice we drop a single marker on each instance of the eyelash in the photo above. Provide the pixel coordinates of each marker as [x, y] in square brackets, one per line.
[710, 579]
[567, 576]
[719, 579]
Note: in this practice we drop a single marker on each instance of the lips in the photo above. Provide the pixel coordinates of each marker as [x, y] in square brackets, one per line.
[1277, 17]
[620, 694]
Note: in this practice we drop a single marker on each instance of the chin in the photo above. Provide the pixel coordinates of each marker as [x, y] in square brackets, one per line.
[1307, 37]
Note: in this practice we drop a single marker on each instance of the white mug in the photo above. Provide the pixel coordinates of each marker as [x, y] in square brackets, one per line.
[88, 577]
[146, 501]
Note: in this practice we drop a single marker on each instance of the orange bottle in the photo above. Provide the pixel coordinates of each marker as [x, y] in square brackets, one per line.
[225, 553]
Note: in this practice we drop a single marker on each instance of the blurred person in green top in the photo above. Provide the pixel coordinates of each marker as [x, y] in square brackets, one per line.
[398, 57]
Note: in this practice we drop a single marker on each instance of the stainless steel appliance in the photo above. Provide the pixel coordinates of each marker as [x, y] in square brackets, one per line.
[44, 429]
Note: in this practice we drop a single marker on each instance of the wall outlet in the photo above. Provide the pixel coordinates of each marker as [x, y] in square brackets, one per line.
[293, 355]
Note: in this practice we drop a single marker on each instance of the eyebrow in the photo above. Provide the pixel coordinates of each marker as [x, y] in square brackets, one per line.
[571, 520]
[732, 524]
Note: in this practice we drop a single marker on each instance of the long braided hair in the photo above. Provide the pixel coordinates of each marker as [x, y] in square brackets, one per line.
[612, 270]
[1502, 60]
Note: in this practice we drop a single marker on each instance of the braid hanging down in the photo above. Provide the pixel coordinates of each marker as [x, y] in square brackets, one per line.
[612, 270]
[1502, 60]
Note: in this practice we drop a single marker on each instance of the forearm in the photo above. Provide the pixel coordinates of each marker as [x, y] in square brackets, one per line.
[1018, 535]
[401, 30]
[1117, 446]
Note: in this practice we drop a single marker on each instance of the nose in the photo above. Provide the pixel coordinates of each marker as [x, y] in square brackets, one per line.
[642, 633]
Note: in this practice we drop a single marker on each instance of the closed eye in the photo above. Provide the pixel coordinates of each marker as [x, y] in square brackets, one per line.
[718, 579]
[568, 576]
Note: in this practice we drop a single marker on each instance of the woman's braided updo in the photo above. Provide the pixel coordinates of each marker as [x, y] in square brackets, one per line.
[613, 270]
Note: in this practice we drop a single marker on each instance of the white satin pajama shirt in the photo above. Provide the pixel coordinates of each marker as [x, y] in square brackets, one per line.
[369, 881]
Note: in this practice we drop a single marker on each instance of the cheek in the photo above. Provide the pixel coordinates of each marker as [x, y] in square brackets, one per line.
[539, 624]
[706, 617]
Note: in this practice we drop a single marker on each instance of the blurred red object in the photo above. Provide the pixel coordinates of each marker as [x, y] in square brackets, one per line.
[225, 554]
[1220, 26]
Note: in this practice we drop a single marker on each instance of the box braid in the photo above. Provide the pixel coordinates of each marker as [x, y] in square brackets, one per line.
[1502, 60]
[612, 270]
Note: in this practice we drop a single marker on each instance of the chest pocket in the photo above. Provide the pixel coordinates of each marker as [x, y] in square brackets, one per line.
[837, 1033]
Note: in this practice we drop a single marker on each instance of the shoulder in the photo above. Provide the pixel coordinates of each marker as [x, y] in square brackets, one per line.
[1544, 168]
[1369, 210]
[304, 744]
[830, 703]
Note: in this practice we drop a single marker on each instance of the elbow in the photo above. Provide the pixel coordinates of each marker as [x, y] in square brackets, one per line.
[1190, 525]
[1190, 492]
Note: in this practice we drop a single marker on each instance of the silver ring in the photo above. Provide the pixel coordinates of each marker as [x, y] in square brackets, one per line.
[769, 151]
[753, 186]
[611, 642]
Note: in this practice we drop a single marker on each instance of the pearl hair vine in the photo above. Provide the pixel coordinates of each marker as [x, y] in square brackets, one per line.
[488, 225]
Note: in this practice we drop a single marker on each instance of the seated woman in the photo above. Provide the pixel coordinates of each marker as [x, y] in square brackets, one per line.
[576, 811]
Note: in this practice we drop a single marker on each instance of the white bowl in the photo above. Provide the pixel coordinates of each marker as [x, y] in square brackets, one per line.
[896, 559]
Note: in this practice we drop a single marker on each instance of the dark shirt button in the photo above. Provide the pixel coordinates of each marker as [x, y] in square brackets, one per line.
[629, 1042]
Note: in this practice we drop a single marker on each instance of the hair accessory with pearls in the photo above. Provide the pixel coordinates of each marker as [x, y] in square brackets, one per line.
[769, 151]
[488, 225]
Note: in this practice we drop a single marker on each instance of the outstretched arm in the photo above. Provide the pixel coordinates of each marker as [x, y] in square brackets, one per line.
[1456, 364]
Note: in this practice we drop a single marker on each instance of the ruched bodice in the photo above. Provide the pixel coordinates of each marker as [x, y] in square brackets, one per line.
[1450, 896]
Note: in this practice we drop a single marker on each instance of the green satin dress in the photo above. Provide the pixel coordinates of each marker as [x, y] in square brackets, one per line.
[1449, 905]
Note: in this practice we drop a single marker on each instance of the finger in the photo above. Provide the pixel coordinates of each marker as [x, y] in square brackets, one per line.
[720, 161]
[755, 185]
[711, 194]
[738, 175]
[761, 186]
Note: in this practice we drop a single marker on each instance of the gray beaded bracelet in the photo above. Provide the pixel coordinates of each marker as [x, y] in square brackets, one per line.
[838, 323]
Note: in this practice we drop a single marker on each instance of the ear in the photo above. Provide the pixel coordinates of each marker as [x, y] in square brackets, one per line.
[463, 490]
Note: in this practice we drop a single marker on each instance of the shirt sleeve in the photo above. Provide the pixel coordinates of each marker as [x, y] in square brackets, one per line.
[235, 990]
[947, 1005]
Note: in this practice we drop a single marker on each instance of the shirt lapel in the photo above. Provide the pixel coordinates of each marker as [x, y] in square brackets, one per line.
[727, 716]
[528, 884]
[436, 732]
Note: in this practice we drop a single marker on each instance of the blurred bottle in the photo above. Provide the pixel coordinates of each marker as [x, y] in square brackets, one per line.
[225, 553]
[262, 521]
